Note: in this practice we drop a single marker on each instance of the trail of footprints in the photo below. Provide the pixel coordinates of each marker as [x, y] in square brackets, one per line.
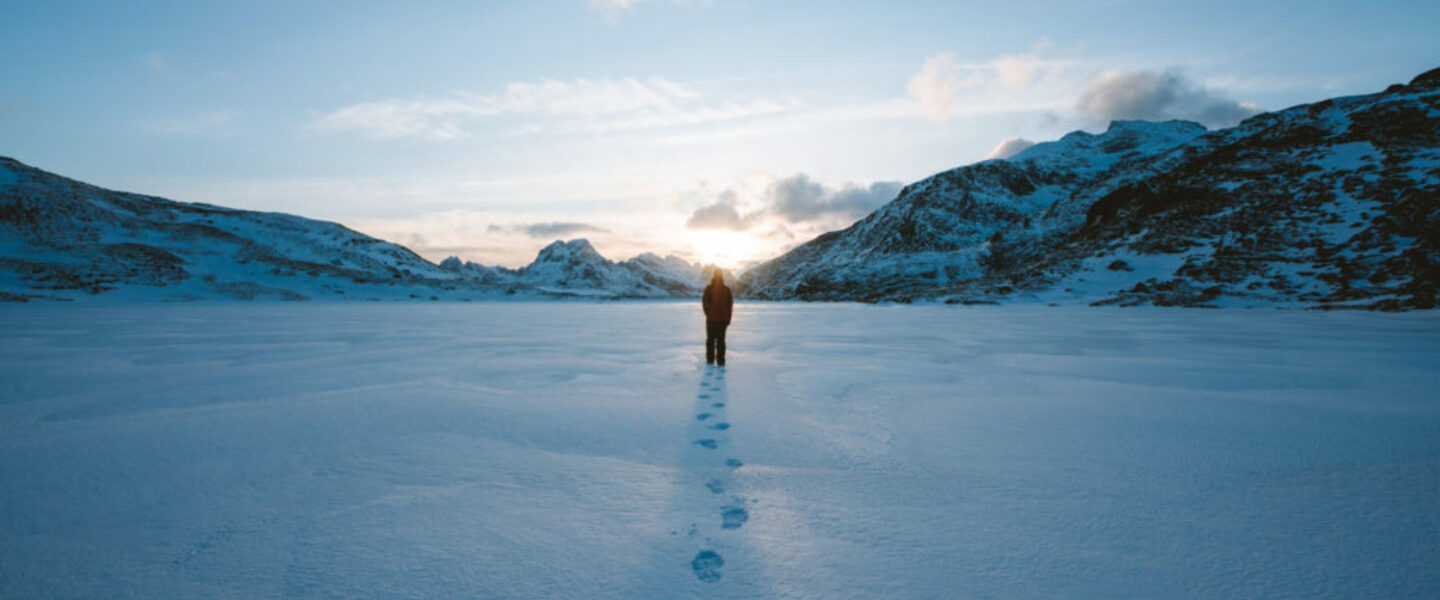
[710, 415]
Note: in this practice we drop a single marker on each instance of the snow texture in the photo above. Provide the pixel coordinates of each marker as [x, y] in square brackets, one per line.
[544, 450]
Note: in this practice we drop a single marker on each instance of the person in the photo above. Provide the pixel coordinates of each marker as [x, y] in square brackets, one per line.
[717, 302]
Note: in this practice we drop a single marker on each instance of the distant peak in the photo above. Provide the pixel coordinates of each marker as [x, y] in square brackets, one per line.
[561, 250]
[1139, 125]
[1427, 80]
[1120, 137]
[576, 244]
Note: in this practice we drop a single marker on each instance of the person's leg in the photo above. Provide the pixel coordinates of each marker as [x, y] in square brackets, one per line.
[720, 343]
[710, 342]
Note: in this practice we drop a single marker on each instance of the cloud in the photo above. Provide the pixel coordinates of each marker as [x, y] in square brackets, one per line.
[1146, 95]
[794, 199]
[577, 106]
[798, 199]
[612, 9]
[1018, 71]
[723, 214]
[602, 5]
[156, 63]
[1010, 147]
[944, 83]
[937, 84]
[437, 120]
[558, 229]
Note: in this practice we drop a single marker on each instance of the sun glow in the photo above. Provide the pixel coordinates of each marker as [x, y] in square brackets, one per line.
[728, 249]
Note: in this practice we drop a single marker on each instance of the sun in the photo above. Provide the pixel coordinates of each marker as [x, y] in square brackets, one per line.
[725, 248]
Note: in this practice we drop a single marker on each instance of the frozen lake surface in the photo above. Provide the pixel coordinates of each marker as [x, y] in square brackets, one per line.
[576, 450]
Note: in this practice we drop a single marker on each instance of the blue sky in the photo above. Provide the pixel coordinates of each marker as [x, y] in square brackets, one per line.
[717, 130]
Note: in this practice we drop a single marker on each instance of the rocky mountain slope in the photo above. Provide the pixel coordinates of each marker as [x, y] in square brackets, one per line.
[63, 239]
[1325, 205]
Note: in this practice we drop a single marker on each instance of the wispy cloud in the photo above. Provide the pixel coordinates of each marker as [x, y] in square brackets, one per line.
[432, 119]
[938, 83]
[945, 86]
[578, 106]
[156, 63]
[613, 9]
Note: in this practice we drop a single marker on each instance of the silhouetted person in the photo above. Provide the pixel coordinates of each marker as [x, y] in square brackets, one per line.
[717, 302]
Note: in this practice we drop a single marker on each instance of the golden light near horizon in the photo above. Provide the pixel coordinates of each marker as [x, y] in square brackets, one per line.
[725, 248]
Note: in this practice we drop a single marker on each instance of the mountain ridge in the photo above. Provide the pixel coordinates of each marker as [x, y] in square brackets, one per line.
[1259, 214]
[1330, 204]
[62, 239]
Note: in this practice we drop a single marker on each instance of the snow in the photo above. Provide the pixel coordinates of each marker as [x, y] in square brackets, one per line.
[561, 450]
[1348, 156]
[1086, 153]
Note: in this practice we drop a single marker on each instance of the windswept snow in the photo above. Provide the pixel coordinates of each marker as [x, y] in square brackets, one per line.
[582, 450]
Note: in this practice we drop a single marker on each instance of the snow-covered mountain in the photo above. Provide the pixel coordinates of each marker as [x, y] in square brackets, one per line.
[63, 239]
[1332, 204]
[575, 268]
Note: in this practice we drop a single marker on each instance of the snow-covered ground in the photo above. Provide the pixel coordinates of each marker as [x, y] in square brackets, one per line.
[582, 450]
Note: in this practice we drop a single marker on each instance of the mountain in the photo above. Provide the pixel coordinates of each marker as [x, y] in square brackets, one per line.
[936, 230]
[61, 239]
[1325, 205]
[575, 268]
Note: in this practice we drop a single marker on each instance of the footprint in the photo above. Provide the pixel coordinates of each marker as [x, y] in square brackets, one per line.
[704, 396]
[715, 486]
[707, 566]
[702, 416]
[733, 462]
[708, 443]
[720, 426]
[734, 517]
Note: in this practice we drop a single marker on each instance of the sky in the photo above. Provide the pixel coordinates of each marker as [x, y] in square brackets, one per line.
[719, 131]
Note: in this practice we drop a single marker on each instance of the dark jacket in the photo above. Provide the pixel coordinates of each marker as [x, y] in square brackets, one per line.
[717, 302]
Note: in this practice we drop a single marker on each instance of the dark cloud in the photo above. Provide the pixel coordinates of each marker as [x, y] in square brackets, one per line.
[1158, 96]
[546, 230]
[795, 199]
[721, 215]
[1010, 147]
[798, 199]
